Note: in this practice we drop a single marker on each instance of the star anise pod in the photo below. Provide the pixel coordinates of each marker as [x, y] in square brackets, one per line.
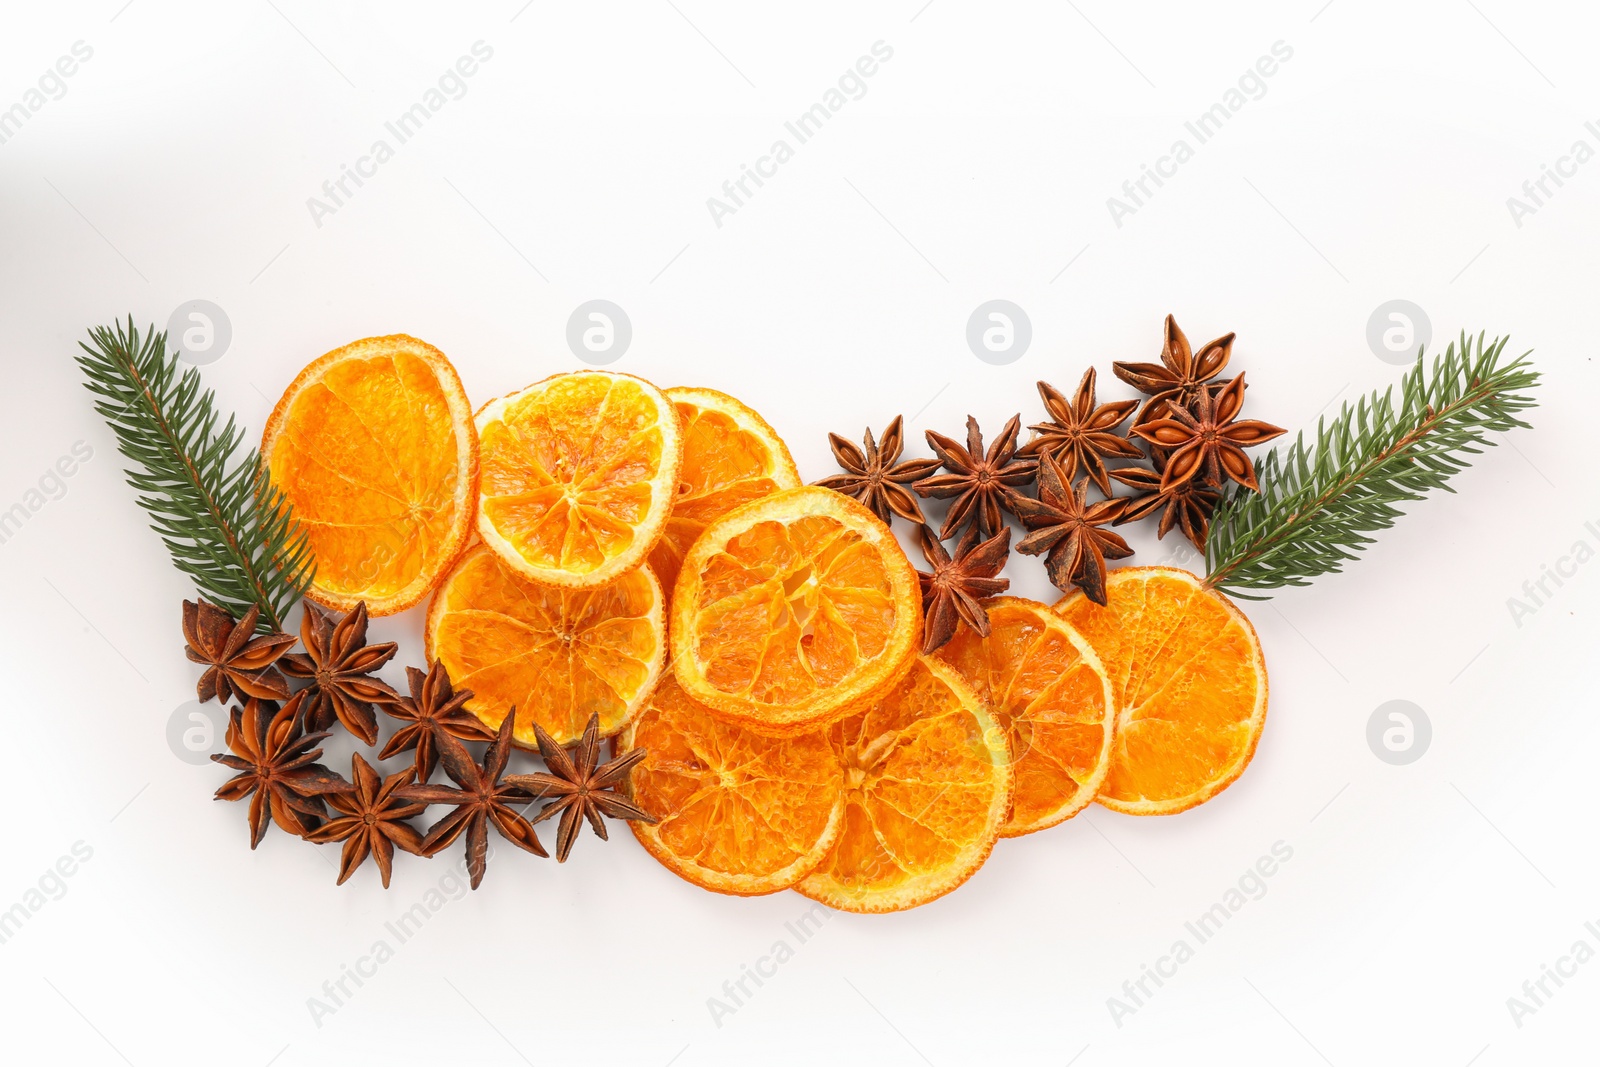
[278, 769]
[237, 662]
[1207, 443]
[338, 660]
[875, 478]
[1180, 375]
[434, 707]
[982, 483]
[954, 591]
[481, 799]
[1067, 532]
[1080, 433]
[372, 820]
[584, 788]
[1187, 506]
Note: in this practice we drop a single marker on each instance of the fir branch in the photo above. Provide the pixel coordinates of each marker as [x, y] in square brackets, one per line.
[227, 526]
[1319, 501]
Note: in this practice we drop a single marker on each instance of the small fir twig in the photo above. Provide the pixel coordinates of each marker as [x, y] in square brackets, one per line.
[223, 521]
[1319, 500]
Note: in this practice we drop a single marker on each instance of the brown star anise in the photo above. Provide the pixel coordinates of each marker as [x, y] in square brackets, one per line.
[237, 662]
[1066, 531]
[1079, 433]
[954, 591]
[278, 769]
[983, 483]
[584, 788]
[1188, 506]
[1207, 443]
[1180, 376]
[337, 660]
[434, 707]
[481, 799]
[874, 478]
[371, 820]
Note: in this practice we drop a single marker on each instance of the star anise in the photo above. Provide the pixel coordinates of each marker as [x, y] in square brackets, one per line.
[982, 483]
[954, 591]
[1187, 506]
[1180, 375]
[874, 478]
[481, 799]
[1067, 532]
[337, 660]
[434, 707]
[584, 788]
[278, 769]
[372, 820]
[1207, 443]
[237, 662]
[1080, 433]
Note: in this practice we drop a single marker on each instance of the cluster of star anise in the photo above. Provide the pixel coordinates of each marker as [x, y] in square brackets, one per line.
[1188, 423]
[274, 742]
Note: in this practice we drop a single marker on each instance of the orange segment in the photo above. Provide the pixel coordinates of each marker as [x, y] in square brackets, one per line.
[730, 457]
[1045, 685]
[927, 786]
[791, 607]
[579, 473]
[1189, 682]
[374, 446]
[556, 655]
[738, 812]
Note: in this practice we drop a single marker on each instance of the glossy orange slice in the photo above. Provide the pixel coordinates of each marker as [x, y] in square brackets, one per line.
[1045, 685]
[927, 787]
[790, 608]
[730, 457]
[579, 475]
[374, 446]
[556, 655]
[737, 812]
[1189, 682]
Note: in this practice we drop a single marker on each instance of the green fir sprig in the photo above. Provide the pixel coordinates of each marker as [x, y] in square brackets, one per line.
[1320, 500]
[227, 526]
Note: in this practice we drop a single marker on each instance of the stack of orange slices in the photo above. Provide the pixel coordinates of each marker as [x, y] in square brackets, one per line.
[595, 545]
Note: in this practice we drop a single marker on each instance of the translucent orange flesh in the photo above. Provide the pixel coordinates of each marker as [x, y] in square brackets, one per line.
[368, 457]
[1185, 675]
[567, 470]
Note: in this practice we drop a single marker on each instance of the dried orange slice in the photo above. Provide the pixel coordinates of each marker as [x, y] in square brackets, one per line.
[1045, 685]
[1189, 682]
[556, 655]
[579, 473]
[927, 785]
[374, 446]
[791, 607]
[737, 812]
[730, 457]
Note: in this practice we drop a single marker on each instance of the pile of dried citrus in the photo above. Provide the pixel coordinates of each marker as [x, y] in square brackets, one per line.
[594, 545]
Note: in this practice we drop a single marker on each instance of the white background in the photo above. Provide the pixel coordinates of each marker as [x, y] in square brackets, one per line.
[177, 165]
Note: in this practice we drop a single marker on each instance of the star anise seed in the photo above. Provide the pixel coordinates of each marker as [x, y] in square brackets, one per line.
[434, 707]
[481, 799]
[1180, 374]
[584, 787]
[1067, 532]
[1080, 433]
[983, 483]
[875, 478]
[237, 662]
[278, 769]
[1207, 443]
[372, 820]
[1187, 506]
[954, 591]
[337, 660]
